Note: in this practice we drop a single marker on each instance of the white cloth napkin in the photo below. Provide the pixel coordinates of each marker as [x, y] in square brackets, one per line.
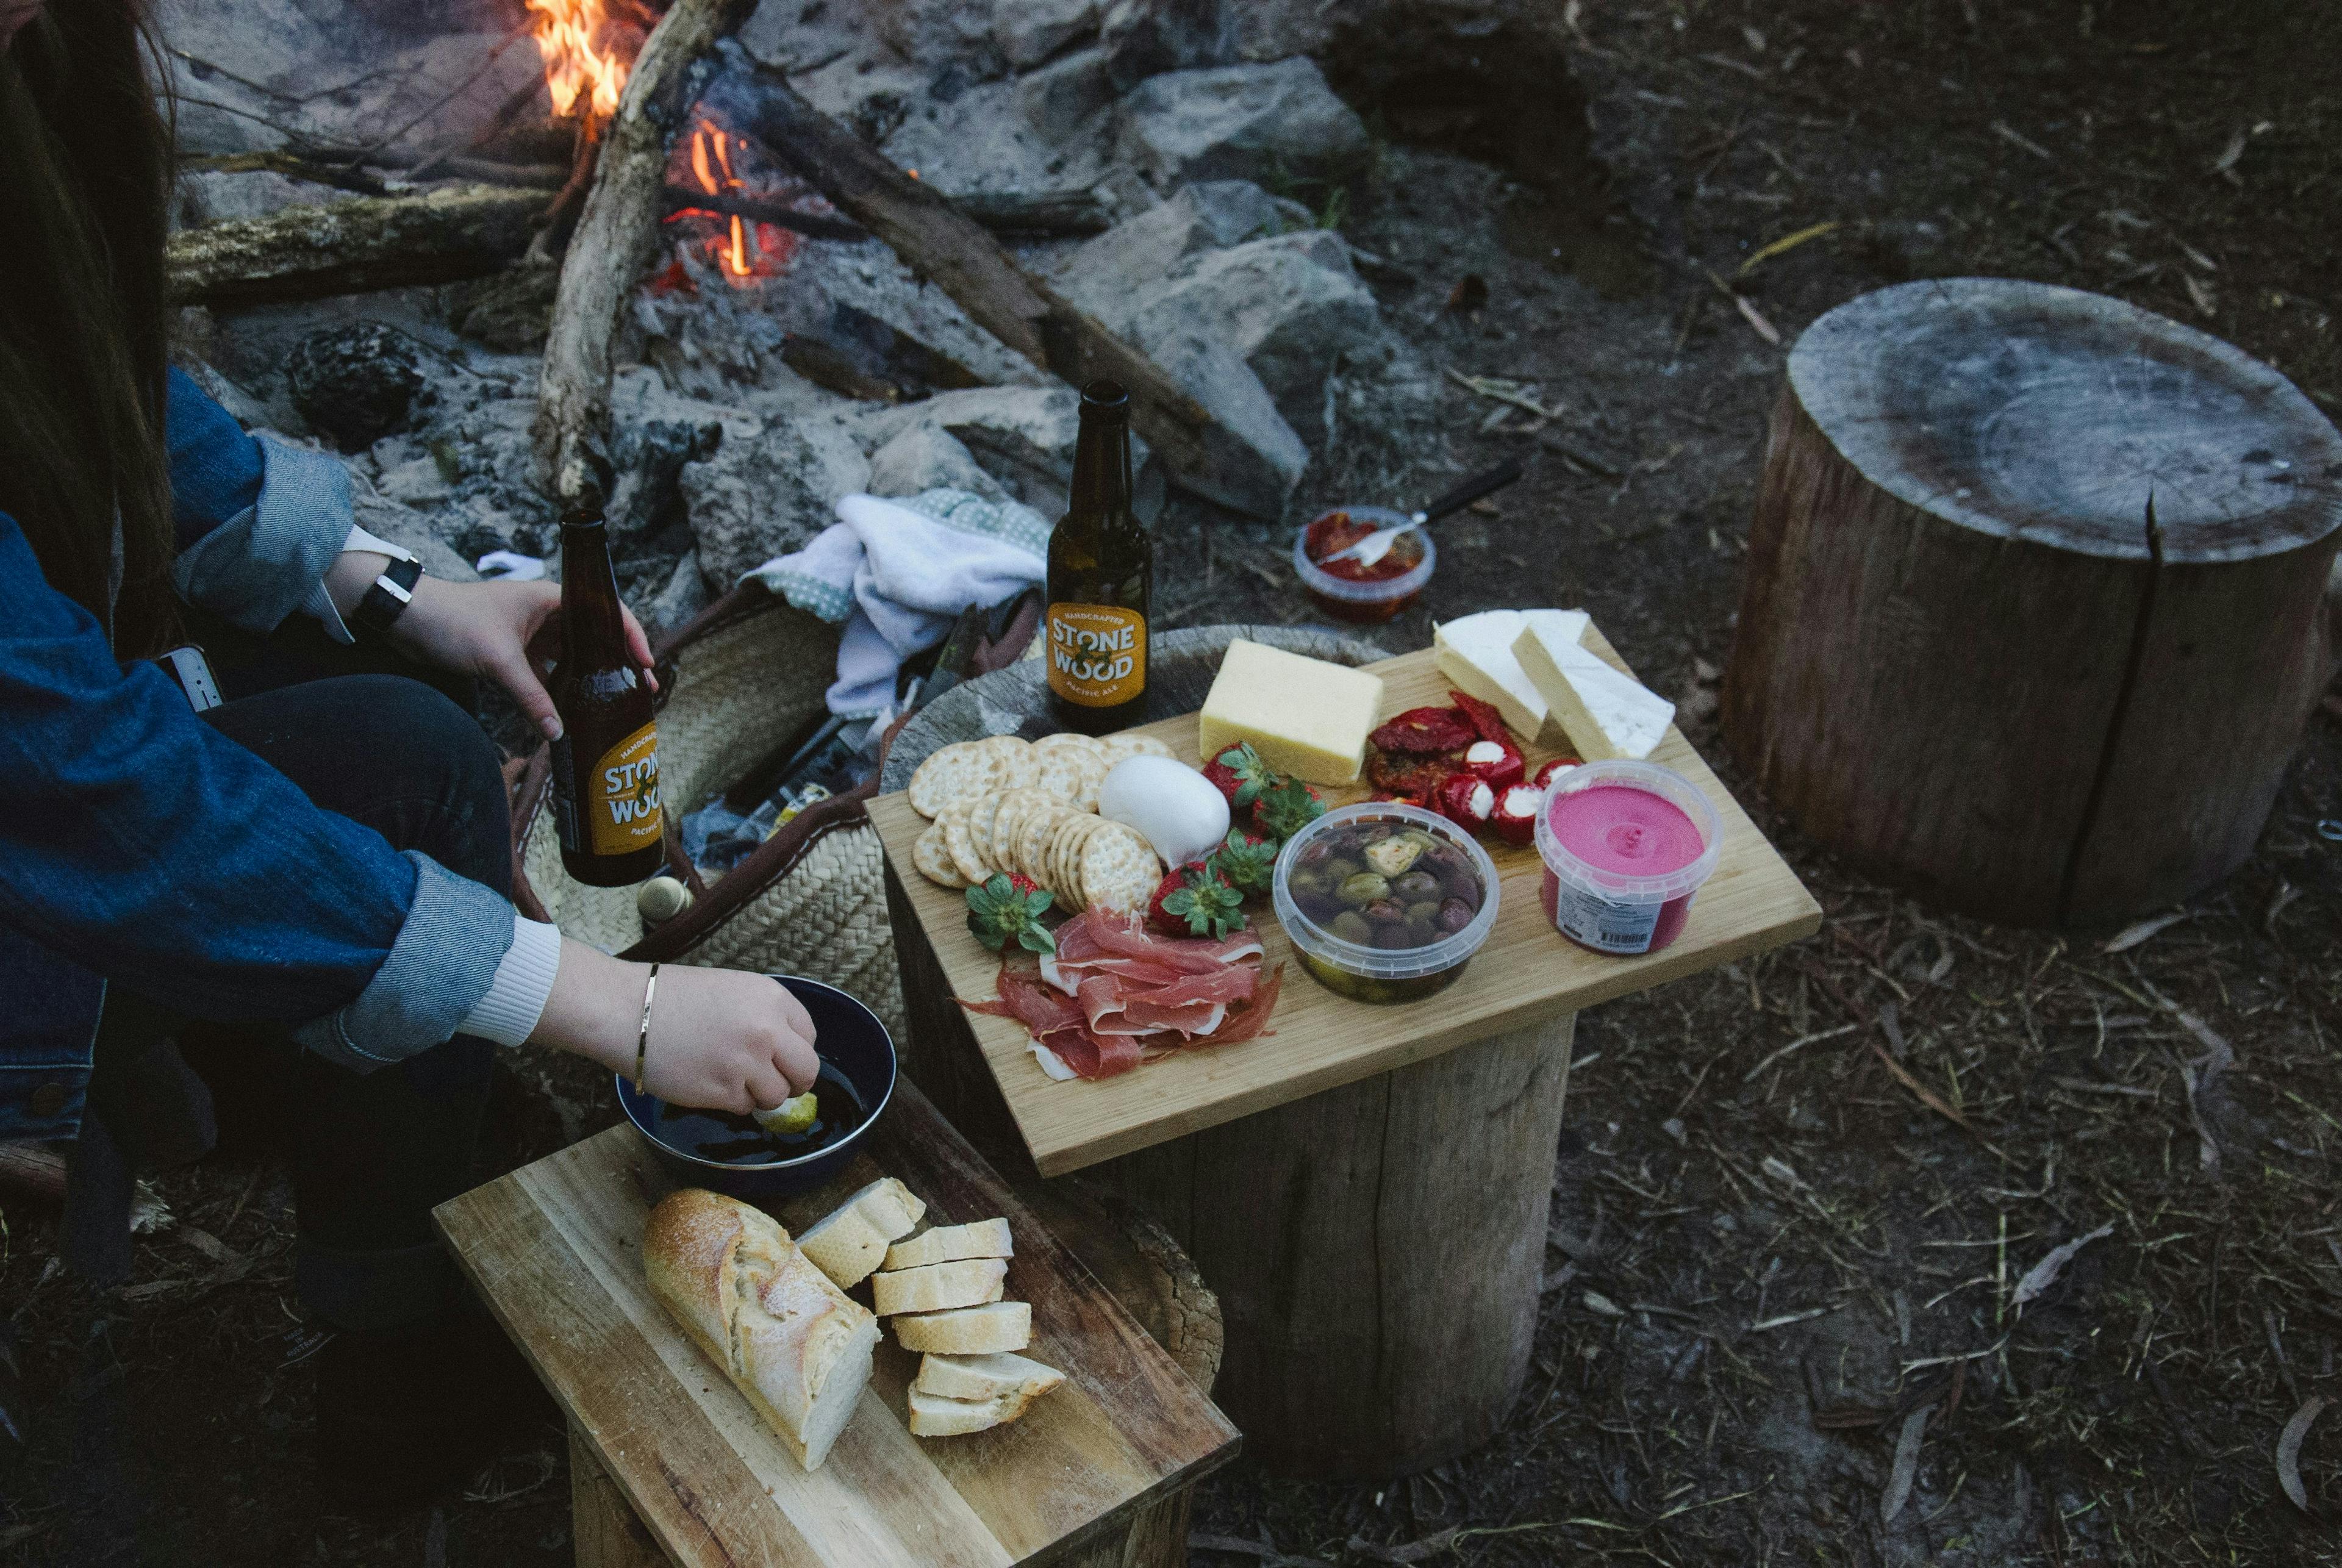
[898, 573]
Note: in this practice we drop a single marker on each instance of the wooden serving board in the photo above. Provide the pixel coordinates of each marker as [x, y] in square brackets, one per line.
[554, 1248]
[1526, 973]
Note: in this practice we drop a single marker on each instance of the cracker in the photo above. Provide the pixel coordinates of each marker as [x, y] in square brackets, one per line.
[1117, 870]
[1060, 771]
[953, 772]
[1064, 855]
[959, 841]
[1119, 748]
[1015, 805]
[1033, 835]
[934, 860]
[982, 816]
[1013, 755]
[1066, 741]
[1094, 772]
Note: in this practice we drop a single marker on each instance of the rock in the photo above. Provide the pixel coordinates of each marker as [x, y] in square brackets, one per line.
[1233, 396]
[929, 457]
[983, 140]
[416, 531]
[1141, 251]
[1240, 122]
[220, 196]
[1062, 100]
[766, 491]
[511, 310]
[1028, 32]
[685, 595]
[358, 383]
[1289, 306]
[936, 34]
[1143, 38]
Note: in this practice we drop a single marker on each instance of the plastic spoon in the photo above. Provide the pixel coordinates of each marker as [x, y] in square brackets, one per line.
[1376, 545]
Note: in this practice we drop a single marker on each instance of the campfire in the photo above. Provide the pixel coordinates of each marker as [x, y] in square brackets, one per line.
[583, 70]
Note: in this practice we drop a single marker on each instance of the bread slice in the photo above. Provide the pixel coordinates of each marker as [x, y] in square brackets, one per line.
[931, 1415]
[849, 1243]
[967, 1331]
[948, 1243]
[985, 1376]
[967, 1283]
[796, 1346]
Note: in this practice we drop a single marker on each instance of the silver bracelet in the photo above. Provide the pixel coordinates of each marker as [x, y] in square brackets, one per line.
[643, 1037]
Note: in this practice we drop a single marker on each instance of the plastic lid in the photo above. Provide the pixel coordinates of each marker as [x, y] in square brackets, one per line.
[1386, 963]
[1374, 591]
[1650, 777]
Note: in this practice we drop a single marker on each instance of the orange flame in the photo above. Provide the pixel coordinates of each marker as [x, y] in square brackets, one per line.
[736, 260]
[578, 66]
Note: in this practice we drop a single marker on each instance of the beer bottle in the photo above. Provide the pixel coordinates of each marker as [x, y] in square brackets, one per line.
[1101, 579]
[605, 783]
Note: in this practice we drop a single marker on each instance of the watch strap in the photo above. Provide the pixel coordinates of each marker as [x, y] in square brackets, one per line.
[388, 596]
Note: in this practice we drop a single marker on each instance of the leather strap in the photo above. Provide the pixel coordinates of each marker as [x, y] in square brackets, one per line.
[386, 598]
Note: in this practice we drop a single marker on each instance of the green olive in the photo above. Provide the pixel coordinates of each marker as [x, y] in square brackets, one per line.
[1423, 911]
[1338, 870]
[1364, 888]
[1351, 926]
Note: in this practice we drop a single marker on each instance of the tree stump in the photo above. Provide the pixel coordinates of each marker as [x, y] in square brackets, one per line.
[1969, 658]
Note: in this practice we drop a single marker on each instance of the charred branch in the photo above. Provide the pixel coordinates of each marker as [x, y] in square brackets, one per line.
[353, 247]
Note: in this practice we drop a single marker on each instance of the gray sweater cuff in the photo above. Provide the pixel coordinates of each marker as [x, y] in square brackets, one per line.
[256, 568]
[439, 968]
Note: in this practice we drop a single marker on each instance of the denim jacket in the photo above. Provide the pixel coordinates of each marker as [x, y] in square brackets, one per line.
[140, 847]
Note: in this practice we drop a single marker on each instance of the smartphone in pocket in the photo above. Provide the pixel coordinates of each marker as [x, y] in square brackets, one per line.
[186, 665]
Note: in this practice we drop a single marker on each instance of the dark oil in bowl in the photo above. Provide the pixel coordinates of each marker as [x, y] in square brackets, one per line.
[729, 1140]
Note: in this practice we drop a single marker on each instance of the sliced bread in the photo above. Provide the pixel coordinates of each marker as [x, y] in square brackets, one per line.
[970, 1282]
[931, 1415]
[967, 1331]
[985, 1376]
[948, 1243]
[851, 1242]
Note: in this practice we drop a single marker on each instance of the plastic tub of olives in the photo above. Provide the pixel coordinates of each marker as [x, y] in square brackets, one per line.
[1384, 902]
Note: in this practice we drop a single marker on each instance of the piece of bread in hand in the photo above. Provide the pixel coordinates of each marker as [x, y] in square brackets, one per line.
[967, 1331]
[931, 1415]
[849, 1243]
[985, 1376]
[949, 1244]
[970, 1282]
[792, 1343]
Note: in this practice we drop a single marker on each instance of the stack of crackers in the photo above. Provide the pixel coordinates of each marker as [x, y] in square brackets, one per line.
[1030, 809]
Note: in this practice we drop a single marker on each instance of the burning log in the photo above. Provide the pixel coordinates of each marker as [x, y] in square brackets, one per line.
[943, 243]
[354, 246]
[1051, 214]
[730, 203]
[617, 235]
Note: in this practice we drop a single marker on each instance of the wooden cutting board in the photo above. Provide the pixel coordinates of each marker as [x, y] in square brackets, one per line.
[1526, 973]
[554, 1248]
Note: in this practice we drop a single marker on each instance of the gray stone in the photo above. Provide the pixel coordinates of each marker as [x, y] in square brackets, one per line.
[1241, 122]
[1062, 100]
[685, 595]
[1144, 39]
[933, 34]
[221, 196]
[768, 490]
[1029, 31]
[413, 530]
[929, 457]
[1238, 402]
[1143, 251]
[1023, 436]
[359, 382]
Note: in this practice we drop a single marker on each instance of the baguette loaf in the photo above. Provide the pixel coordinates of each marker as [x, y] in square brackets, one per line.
[949, 1244]
[968, 1330]
[794, 1344]
[983, 1377]
[935, 1416]
[851, 1242]
[940, 1286]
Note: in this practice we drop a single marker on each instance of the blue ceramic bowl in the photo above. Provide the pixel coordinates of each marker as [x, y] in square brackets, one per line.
[847, 1036]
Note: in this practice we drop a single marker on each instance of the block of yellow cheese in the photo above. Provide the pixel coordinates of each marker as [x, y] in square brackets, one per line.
[1304, 716]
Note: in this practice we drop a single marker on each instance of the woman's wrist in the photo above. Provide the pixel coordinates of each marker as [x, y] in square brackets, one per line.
[352, 573]
[596, 1007]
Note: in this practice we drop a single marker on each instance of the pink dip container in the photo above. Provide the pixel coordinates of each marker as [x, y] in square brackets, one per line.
[1625, 845]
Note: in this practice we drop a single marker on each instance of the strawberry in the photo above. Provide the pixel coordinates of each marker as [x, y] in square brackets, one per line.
[1247, 861]
[1485, 721]
[1240, 774]
[1195, 901]
[1515, 817]
[1467, 800]
[1499, 761]
[1009, 908]
[1286, 809]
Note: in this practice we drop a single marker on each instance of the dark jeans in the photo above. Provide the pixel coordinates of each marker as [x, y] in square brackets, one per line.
[369, 1154]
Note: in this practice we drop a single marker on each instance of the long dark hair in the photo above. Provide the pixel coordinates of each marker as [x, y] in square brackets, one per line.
[85, 183]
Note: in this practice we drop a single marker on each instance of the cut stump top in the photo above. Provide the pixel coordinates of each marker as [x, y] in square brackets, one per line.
[2049, 414]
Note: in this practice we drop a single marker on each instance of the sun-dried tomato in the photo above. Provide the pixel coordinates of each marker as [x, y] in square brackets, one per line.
[1417, 778]
[1483, 718]
[1425, 730]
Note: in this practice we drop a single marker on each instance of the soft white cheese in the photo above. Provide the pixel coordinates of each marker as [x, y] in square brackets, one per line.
[1606, 714]
[1476, 652]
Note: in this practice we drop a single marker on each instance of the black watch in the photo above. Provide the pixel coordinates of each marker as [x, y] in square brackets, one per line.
[388, 597]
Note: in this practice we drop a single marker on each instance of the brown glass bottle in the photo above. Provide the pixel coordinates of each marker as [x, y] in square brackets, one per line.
[605, 782]
[1101, 579]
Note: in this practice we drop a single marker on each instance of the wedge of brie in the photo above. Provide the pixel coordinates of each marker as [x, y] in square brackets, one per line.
[1606, 714]
[1476, 652]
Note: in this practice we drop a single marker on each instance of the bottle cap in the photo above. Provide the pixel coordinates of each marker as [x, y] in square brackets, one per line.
[1104, 399]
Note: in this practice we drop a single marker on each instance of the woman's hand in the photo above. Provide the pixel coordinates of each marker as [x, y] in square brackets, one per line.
[509, 633]
[720, 1038]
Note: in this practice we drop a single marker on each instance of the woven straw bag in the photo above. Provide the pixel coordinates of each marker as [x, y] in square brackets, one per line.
[736, 683]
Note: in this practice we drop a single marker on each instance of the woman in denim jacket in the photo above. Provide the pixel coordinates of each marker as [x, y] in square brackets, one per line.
[324, 860]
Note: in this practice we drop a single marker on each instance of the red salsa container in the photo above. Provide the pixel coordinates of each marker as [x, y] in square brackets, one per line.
[1348, 590]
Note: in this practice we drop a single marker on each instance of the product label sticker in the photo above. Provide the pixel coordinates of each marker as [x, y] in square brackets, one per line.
[1604, 925]
[621, 796]
[1097, 653]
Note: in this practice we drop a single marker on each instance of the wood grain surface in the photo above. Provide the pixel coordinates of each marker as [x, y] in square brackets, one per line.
[1525, 974]
[554, 1249]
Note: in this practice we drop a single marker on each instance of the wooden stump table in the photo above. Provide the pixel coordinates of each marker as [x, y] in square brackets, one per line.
[1366, 1188]
[669, 1465]
[1971, 659]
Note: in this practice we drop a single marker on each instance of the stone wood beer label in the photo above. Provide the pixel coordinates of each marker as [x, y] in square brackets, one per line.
[620, 811]
[1097, 653]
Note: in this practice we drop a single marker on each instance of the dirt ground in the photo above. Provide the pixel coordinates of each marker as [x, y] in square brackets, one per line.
[1795, 1198]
